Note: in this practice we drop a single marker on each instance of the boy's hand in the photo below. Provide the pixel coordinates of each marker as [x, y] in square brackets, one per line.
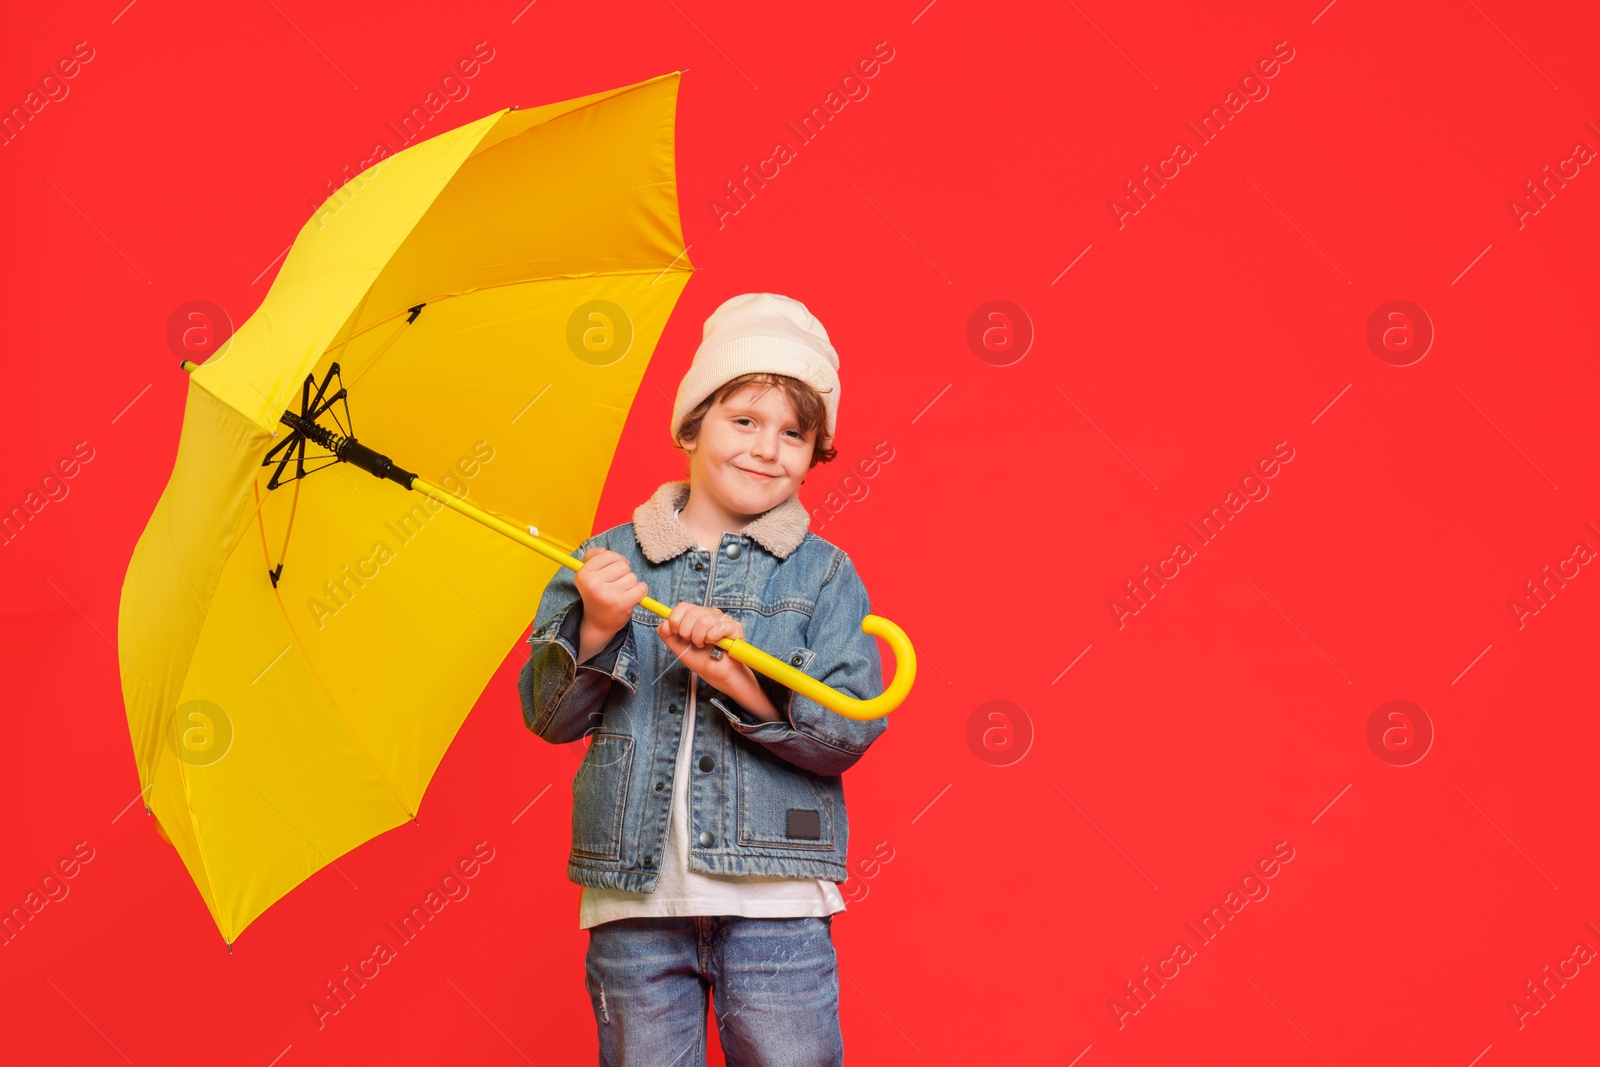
[610, 590]
[691, 631]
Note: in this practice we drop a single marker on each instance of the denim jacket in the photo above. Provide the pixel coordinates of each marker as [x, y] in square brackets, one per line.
[765, 798]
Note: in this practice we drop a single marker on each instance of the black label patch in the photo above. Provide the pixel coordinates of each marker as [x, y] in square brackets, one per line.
[803, 822]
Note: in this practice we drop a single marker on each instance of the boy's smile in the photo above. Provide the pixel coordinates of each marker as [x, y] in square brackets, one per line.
[750, 456]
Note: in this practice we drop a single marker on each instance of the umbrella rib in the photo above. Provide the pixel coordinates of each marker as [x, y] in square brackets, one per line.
[380, 353]
[194, 826]
[353, 320]
[450, 296]
[199, 846]
[261, 525]
[604, 98]
[183, 774]
[501, 285]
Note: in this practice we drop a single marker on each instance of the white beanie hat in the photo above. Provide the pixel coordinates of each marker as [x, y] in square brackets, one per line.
[761, 332]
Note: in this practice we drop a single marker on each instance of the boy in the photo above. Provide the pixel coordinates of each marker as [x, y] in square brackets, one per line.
[708, 815]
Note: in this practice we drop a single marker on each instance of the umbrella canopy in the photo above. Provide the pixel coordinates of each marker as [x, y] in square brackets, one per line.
[296, 659]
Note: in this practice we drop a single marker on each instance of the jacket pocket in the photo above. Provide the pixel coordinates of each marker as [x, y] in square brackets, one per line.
[781, 805]
[600, 796]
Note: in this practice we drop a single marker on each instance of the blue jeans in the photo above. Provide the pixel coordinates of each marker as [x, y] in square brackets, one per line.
[776, 983]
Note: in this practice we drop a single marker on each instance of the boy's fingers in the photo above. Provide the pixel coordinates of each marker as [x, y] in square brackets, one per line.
[607, 565]
[714, 621]
[698, 625]
[693, 621]
[601, 562]
[678, 642]
[705, 624]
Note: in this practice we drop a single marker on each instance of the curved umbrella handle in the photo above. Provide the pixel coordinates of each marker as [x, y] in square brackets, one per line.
[905, 656]
[905, 672]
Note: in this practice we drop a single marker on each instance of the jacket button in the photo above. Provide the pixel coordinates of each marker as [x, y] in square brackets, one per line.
[796, 658]
[706, 763]
[660, 786]
[733, 550]
[707, 838]
[632, 677]
[649, 861]
[699, 566]
[672, 707]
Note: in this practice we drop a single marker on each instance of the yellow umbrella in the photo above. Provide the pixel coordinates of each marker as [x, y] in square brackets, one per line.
[298, 652]
[296, 660]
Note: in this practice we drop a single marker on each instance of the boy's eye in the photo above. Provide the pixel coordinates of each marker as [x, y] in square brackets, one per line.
[742, 419]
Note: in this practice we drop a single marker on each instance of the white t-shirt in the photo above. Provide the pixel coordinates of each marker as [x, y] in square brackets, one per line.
[686, 892]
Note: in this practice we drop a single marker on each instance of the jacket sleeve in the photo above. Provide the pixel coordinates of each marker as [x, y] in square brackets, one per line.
[562, 699]
[839, 655]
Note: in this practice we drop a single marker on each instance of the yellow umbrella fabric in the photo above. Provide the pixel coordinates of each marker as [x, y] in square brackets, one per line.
[492, 297]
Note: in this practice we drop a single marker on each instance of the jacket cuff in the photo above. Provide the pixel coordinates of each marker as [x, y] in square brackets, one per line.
[796, 736]
[615, 661]
[742, 718]
[604, 660]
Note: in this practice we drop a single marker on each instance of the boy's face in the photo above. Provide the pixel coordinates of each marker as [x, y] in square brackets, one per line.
[751, 455]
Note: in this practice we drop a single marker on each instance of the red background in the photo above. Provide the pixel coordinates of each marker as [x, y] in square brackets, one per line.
[1226, 716]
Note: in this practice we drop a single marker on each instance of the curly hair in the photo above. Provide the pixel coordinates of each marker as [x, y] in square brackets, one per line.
[810, 411]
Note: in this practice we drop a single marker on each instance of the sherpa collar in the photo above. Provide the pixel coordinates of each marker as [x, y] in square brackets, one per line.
[662, 536]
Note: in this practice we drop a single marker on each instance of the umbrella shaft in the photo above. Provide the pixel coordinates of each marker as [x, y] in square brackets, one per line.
[497, 524]
[517, 534]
